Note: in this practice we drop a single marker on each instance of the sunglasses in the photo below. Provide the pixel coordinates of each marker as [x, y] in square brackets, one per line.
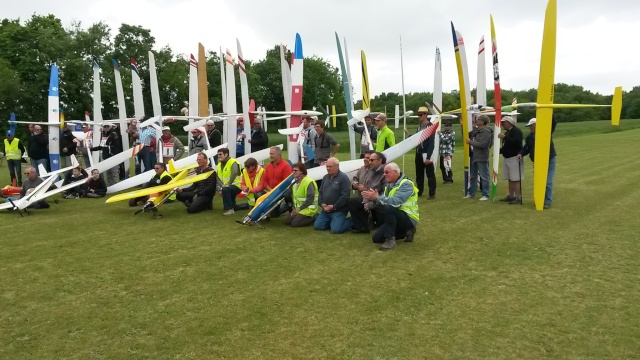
[157, 168]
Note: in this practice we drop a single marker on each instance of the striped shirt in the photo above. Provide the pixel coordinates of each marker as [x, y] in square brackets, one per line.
[146, 134]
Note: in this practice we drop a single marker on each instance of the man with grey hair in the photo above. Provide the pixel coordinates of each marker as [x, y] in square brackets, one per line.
[399, 207]
[333, 200]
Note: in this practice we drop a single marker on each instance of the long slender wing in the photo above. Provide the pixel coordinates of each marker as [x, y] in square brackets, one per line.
[157, 189]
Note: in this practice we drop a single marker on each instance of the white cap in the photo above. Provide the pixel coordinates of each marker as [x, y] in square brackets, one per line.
[166, 128]
[531, 122]
[210, 122]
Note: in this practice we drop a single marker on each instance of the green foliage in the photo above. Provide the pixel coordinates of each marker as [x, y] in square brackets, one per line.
[28, 48]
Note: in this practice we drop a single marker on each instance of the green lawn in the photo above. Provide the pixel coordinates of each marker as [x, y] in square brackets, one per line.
[87, 280]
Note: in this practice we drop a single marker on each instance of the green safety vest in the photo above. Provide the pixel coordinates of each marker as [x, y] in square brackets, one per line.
[225, 174]
[12, 152]
[411, 205]
[386, 139]
[251, 197]
[300, 196]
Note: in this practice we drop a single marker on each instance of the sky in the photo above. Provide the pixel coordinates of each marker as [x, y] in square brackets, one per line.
[591, 35]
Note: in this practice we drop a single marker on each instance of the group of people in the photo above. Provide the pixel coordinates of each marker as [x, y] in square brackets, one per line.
[384, 197]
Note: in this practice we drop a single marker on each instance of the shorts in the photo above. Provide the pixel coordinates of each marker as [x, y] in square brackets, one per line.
[511, 169]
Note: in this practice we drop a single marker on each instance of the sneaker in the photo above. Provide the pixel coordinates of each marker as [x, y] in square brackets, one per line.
[468, 197]
[547, 206]
[408, 237]
[431, 197]
[484, 198]
[515, 201]
[228, 212]
[388, 244]
[507, 198]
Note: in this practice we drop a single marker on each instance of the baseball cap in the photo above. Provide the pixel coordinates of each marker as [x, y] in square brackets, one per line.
[166, 128]
[509, 119]
[531, 122]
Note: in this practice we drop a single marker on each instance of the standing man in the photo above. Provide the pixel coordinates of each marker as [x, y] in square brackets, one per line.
[67, 147]
[172, 148]
[334, 199]
[39, 148]
[481, 143]
[240, 136]
[111, 145]
[214, 135]
[385, 136]
[13, 150]
[146, 156]
[447, 145]
[305, 198]
[323, 143]
[423, 157]
[399, 206]
[259, 138]
[199, 196]
[228, 180]
[83, 146]
[198, 142]
[511, 147]
[370, 176]
[529, 149]
[310, 134]
[366, 140]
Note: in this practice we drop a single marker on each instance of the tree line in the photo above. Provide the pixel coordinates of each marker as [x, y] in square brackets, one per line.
[28, 48]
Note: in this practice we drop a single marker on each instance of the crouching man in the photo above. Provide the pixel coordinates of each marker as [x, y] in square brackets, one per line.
[199, 196]
[398, 205]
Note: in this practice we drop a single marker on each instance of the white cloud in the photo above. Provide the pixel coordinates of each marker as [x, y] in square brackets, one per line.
[594, 49]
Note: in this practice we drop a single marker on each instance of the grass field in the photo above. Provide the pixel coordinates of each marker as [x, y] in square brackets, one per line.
[86, 280]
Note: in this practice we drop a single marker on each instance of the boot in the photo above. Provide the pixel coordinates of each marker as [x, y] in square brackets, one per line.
[410, 235]
[389, 244]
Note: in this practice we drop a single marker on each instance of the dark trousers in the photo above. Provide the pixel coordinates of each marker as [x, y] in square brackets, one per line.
[229, 194]
[15, 170]
[396, 223]
[430, 170]
[447, 176]
[146, 157]
[298, 220]
[195, 203]
[359, 215]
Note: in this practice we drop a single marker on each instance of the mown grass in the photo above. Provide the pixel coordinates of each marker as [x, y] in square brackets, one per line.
[89, 280]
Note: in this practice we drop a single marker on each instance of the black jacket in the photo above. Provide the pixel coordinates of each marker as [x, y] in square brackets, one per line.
[259, 139]
[66, 141]
[39, 146]
[206, 187]
[428, 145]
[112, 146]
[215, 138]
[529, 147]
[511, 143]
[98, 186]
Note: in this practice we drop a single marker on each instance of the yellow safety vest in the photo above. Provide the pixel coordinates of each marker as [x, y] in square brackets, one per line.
[12, 152]
[411, 205]
[225, 174]
[251, 197]
[300, 196]
[165, 174]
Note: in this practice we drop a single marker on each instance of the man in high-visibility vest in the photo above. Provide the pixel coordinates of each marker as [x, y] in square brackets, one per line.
[250, 183]
[386, 137]
[228, 180]
[398, 204]
[13, 150]
[305, 198]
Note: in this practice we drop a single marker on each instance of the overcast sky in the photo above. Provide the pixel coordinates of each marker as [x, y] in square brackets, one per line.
[596, 48]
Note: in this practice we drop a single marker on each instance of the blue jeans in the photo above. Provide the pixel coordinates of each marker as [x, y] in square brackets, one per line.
[145, 156]
[337, 221]
[549, 191]
[229, 194]
[15, 170]
[483, 168]
[35, 163]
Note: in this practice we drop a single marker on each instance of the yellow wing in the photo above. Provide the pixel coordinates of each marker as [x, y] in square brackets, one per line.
[156, 189]
[171, 167]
